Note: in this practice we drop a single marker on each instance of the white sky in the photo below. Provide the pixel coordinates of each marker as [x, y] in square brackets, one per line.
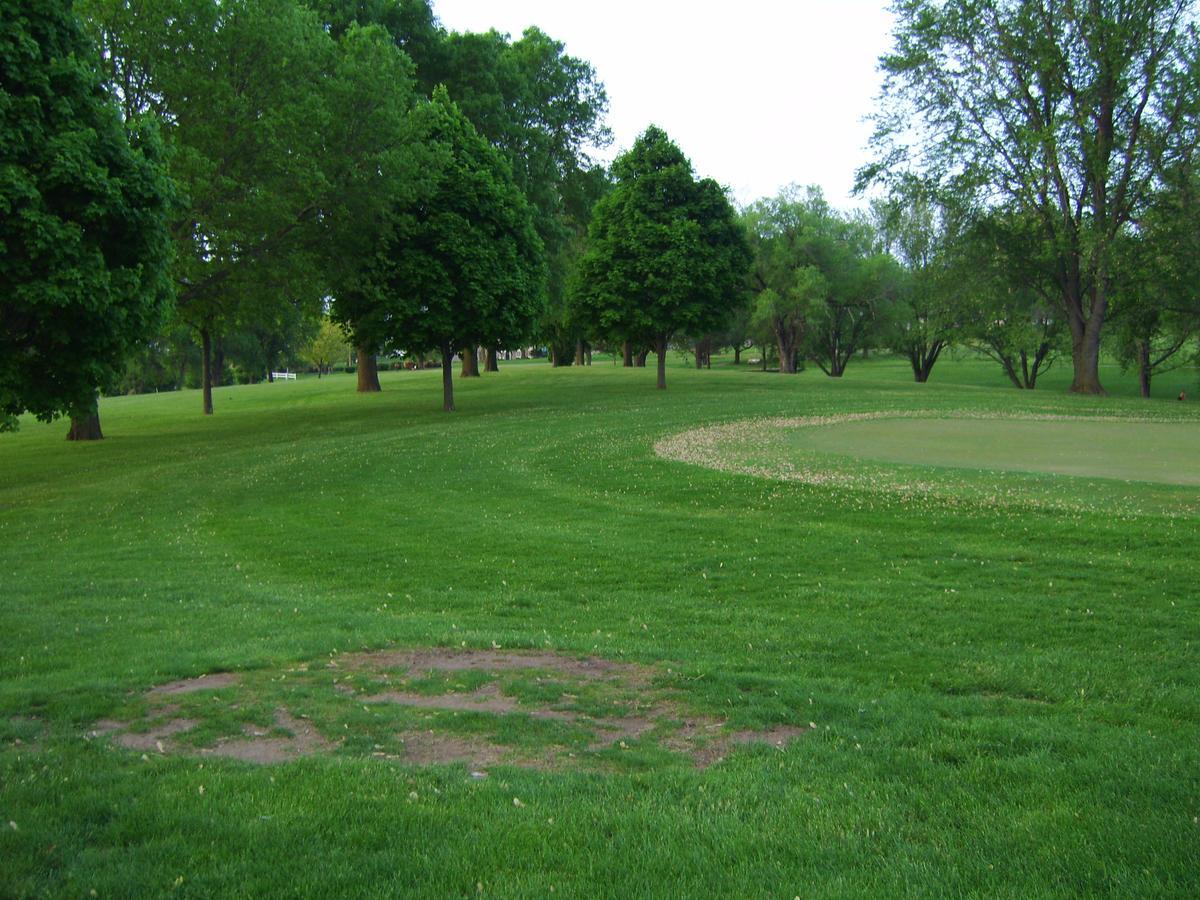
[758, 93]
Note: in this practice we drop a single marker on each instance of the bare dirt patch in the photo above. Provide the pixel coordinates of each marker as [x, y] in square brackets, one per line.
[213, 682]
[259, 746]
[534, 709]
[157, 738]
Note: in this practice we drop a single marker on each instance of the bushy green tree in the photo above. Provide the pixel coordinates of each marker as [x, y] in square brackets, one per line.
[84, 248]
[460, 265]
[665, 253]
[1010, 311]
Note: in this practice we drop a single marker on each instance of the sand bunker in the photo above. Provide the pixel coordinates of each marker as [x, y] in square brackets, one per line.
[480, 708]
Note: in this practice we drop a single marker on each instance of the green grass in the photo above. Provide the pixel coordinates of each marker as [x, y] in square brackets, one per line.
[1007, 696]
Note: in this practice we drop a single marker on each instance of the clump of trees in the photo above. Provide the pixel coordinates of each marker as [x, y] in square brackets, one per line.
[459, 264]
[1069, 117]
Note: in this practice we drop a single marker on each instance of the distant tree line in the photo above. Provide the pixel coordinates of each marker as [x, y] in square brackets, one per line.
[201, 190]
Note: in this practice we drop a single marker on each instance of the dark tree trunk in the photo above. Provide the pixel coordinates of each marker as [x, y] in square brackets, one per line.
[270, 375]
[448, 379]
[588, 353]
[627, 355]
[85, 425]
[1085, 355]
[922, 360]
[491, 361]
[1144, 367]
[1085, 339]
[579, 352]
[639, 360]
[368, 371]
[206, 370]
[660, 349]
[737, 354]
[470, 363]
[787, 355]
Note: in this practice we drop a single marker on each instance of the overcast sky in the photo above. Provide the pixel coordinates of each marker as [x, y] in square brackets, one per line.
[758, 93]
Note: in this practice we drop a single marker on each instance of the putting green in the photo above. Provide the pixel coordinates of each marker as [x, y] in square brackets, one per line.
[1125, 466]
[1159, 452]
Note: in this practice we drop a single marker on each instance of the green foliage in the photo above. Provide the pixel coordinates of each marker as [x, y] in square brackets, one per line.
[1156, 294]
[823, 284]
[665, 252]
[1067, 113]
[460, 265]
[1011, 314]
[84, 248]
[923, 233]
[327, 347]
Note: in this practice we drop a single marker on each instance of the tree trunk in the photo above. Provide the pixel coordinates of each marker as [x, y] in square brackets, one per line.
[737, 354]
[448, 379]
[699, 354]
[660, 349]
[639, 360]
[579, 352]
[470, 363]
[787, 355]
[491, 361]
[627, 355]
[1085, 339]
[85, 425]
[1143, 352]
[368, 371]
[1085, 355]
[206, 370]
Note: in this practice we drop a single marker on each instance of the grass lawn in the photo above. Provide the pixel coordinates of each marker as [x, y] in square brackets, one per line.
[986, 696]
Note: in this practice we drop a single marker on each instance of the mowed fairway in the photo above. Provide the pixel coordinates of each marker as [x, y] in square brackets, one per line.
[991, 697]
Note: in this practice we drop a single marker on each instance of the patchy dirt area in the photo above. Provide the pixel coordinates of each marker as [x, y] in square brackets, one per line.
[481, 708]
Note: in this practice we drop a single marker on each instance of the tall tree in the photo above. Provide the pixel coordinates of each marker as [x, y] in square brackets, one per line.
[1069, 112]
[84, 203]
[920, 233]
[461, 264]
[666, 253]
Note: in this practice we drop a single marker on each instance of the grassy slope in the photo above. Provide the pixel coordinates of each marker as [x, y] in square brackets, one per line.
[1007, 700]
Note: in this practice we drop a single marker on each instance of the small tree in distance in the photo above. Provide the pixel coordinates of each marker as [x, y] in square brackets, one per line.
[665, 254]
[330, 344]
